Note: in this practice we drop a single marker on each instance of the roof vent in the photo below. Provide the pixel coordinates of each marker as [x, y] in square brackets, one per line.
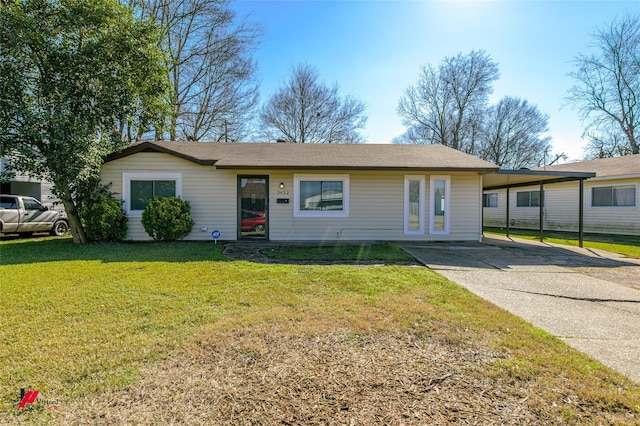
[281, 141]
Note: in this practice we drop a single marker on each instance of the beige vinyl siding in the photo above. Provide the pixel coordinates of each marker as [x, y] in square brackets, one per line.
[562, 207]
[376, 210]
[211, 192]
[466, 205]
[376, 202]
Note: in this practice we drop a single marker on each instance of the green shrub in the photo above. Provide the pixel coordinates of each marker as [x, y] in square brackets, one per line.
[167, 218]
[104, 220]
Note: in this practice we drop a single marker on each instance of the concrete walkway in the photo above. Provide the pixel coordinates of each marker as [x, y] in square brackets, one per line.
[588, 298]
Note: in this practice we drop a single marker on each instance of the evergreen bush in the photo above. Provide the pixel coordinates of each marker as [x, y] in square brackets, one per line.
[104, 220]
[167, 218]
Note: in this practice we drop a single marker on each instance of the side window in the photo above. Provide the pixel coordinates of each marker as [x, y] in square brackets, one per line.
[613, 196]
[490, 200]
[414, 205]
[31, 204]
[440, 200]
[528, 199]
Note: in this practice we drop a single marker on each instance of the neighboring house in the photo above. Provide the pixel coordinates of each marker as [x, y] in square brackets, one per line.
[306, 192]
[610, 200]
[26, 185]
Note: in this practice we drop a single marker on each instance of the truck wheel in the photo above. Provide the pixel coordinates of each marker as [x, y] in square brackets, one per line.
[60, 228]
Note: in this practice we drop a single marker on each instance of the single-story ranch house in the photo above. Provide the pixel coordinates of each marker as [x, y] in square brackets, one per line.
[610, 200]
[306, 192]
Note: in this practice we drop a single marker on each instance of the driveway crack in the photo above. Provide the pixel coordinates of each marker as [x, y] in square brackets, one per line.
[585, 299]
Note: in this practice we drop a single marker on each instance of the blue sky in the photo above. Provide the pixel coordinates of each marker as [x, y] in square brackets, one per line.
[374, 50]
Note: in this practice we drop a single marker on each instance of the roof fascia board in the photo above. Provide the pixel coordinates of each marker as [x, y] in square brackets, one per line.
[533, 183]
[151, 147]
[528, 172]
[633, 176]
[381, 168]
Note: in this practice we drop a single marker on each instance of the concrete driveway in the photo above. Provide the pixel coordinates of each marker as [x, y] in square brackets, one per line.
[588, 298]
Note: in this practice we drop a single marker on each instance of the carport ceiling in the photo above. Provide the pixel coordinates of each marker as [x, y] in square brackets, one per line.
[525, 177]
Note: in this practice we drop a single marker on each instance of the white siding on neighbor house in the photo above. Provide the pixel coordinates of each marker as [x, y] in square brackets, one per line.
[41, 190]
[376, 205]
[562, 206]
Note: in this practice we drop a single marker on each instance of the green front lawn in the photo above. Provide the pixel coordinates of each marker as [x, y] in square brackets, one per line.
[625, 245]
[79, 321]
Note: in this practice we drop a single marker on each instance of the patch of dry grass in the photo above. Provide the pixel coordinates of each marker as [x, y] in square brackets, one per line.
[285, 373]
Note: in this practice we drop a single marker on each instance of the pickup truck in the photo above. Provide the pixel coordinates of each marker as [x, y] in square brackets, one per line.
[25, 215]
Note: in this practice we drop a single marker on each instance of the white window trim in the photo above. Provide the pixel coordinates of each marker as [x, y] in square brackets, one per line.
[447, 204]
[544, 200]
[126, 187]
[613, 185]
[420, 230]
[321, 177]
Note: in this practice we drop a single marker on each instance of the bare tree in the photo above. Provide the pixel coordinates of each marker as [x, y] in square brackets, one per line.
[447, 104]
[213, 86]
[606, 141]
[304, 110]
[608, 81]
[513, 134]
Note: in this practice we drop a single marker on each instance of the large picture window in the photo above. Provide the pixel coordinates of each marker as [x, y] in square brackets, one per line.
[528, 199]
[139, 188]
[613, 196]
[321, 195]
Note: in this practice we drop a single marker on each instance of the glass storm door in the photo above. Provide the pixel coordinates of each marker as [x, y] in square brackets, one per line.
[252, 206]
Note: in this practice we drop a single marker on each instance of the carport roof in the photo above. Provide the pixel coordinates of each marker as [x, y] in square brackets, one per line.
[525, 177]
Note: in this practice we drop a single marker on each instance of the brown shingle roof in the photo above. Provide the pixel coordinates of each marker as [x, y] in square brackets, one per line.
[616, 166]
[315, 156]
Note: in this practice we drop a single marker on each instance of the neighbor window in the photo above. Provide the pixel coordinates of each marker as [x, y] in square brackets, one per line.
[139, 188]
[321, 195]
[613, 196]
[528, 199]
[490, 200]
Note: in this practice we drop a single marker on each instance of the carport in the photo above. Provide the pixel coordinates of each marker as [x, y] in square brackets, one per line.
[507, 179]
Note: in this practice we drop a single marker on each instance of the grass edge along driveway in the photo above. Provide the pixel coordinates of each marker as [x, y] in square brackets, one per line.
[85, 323]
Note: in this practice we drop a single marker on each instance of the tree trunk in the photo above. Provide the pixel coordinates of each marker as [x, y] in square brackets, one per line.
[77, 231]
[635, 149]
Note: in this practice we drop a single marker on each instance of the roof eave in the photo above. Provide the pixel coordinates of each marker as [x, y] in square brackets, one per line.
[151, 147]
[481, 170]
